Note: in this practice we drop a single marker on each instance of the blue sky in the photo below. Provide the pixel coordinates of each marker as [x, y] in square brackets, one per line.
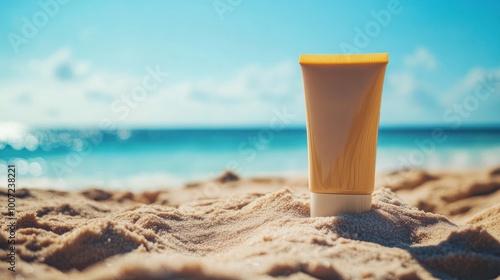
[234, 63]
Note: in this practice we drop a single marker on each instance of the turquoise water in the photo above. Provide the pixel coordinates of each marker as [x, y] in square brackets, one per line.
[142, 159]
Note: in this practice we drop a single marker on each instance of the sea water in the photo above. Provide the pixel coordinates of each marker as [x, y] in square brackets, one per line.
[140, 159]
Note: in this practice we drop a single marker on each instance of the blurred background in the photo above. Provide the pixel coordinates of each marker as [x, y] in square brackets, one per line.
[128, 94]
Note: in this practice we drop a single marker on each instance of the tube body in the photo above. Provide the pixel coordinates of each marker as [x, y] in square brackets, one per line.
[343, 97]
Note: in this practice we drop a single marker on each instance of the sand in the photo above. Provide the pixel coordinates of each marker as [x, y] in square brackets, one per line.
[259, 228]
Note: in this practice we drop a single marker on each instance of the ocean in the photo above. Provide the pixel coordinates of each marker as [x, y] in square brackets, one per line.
[138, 159]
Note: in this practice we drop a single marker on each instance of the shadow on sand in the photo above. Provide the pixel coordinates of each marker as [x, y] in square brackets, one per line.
[463, 253]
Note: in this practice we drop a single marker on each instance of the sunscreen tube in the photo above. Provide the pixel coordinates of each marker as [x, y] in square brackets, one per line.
[343, 96]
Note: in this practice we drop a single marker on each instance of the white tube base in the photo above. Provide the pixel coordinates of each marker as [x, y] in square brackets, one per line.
[325, 204]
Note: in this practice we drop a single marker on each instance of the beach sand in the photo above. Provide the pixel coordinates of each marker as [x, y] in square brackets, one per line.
[423, 225]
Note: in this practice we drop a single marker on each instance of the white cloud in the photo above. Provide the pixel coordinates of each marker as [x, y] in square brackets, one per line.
[476, 79]
[63, 90]
[421, 58]
[479, 75]
[55, 91]
[402, 83]
[252, 80]
[411, 95]
[61, 65]
[248, 96]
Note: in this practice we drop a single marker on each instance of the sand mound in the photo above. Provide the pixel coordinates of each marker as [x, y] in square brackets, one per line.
[457, 195]
[244, 234]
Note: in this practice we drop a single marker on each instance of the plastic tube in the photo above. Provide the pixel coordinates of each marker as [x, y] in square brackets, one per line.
[343, 97]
